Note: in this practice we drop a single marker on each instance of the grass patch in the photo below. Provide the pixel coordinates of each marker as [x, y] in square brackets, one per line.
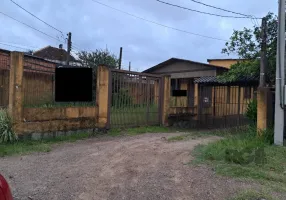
[176, 138]
[191, 134]
[138, 130]
[251, 195]
[245, 155]
[187, 136]
[59, 104]
[134, 116]
[23, 147]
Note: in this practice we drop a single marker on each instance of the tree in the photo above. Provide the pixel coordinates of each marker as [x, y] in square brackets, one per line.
[96, 58]
[246, 44]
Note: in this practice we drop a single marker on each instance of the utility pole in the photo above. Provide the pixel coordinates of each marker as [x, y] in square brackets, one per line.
[263, 53]
[129, 66]
[69, 48]
[280, 81]
[120, 57]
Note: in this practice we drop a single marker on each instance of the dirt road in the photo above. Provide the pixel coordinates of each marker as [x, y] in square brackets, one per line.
[139, 167]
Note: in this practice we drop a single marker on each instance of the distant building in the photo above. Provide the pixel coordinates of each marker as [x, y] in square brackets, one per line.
[57, 55]
[224, 62]
[183, 74]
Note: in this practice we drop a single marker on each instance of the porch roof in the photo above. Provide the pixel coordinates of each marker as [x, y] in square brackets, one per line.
[213, 80]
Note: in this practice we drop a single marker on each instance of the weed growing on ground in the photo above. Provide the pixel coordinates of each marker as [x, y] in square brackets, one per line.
[251, 195]
[7, 135]
[246, 155]
[138, 130]
[22, 147]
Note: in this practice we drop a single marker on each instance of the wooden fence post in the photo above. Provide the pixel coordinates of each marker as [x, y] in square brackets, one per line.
[166, 99]
[15, 88]
[102, 97]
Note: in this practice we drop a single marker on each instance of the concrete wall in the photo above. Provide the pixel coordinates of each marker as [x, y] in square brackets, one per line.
[57, 119]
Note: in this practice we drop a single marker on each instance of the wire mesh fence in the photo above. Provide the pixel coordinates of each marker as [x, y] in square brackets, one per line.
[4, 79]
[134, 99]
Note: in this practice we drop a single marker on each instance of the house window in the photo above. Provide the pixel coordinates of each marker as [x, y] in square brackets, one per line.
[247, 92]
[175, 84]
[228, 94]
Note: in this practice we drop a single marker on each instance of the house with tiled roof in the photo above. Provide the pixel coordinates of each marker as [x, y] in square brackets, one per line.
[57, 55]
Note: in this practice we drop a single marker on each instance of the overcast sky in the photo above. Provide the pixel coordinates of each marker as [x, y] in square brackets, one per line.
[145, 44]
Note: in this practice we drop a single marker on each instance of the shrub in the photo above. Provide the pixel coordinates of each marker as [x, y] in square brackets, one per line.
[6, 127]
[251, 111]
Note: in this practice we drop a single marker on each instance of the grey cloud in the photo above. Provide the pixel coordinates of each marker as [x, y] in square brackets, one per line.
[95, 26]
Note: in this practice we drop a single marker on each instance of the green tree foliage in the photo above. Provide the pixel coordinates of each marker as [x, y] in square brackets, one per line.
[246, 44]
[96, 58]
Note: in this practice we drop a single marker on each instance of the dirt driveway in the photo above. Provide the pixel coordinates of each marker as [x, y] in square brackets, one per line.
[139, 167]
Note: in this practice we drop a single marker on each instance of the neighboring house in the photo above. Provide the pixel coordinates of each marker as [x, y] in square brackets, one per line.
[183, 74]
[57, 55]
[224, 62]
[209, 102]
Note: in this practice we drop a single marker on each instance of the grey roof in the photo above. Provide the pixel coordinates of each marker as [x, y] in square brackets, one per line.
[214, 80]
[206, 79]
[172, 60]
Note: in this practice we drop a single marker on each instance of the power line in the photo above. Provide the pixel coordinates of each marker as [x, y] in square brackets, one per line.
[206, 13]
[9, 43]
[36, 17]
[30, 27]
[249, 16]
[13, 46]
[153, 22]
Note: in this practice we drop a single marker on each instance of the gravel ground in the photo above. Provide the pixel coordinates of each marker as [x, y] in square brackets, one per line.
[139, 167]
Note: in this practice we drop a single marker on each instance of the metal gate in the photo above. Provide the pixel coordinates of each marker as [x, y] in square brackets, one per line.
[135, 99]
[224, 106]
